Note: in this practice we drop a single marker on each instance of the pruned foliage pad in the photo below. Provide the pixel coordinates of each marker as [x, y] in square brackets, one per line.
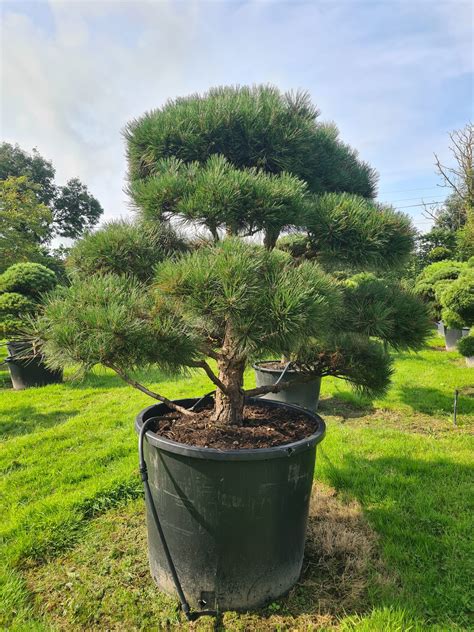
[104, 583]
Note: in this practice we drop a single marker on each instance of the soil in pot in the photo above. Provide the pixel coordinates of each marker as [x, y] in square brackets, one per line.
[262, 428]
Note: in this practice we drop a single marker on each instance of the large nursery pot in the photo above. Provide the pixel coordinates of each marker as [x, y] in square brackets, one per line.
[451, 338]
[26, 368]
[301, 394]
[234, 520]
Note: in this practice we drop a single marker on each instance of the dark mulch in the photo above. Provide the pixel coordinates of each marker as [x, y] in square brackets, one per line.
[262, 428]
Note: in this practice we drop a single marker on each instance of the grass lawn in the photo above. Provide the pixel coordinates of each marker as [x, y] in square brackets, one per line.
[390, 533]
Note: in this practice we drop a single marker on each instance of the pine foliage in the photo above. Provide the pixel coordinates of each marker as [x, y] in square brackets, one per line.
[351, 231]
[124, 248]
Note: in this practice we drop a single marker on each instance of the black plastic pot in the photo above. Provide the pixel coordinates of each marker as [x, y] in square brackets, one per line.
[234, 520]
[27, 369]
[305, 395]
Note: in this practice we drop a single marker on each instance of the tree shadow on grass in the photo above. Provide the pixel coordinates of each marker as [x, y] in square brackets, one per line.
[414, 509]
[25, 419]
[345, 408]
[432, 401]
[340, 558]
[420, 510]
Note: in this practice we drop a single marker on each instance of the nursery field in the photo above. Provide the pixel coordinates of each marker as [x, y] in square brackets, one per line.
[390, 532]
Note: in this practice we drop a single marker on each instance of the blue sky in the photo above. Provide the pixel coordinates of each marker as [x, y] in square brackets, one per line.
[395, 76]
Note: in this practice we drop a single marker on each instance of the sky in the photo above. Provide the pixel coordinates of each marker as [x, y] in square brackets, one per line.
[394, 75]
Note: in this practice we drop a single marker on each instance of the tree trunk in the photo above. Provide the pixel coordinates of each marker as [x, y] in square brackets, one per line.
[270, 238]
[214, 232]
[229, 408]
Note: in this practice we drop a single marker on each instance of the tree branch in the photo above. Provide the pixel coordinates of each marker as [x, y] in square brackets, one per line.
[430, 214]
[126, 378]
[443, 171]
[211, 375]
[213, 354]
[276, 388]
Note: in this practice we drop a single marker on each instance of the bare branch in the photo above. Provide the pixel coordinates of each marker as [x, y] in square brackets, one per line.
[144, 389]
[446, 173]
[460, 177]
[429, 214]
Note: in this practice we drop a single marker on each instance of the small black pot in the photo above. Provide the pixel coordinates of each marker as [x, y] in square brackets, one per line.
[234, 520]
[27, 369]
[304, 394]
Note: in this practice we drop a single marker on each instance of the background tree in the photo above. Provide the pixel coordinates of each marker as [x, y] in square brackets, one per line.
[451, 215]
[456, 213]
[73, 208]
[428, 245]
[466, 346]
[460, 177]
[457, 300]
[24, 222]
[15, 162]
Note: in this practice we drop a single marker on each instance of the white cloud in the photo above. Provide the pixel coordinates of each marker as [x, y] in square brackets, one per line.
[387, 73]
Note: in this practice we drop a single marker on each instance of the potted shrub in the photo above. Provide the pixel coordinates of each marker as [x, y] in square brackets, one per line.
[466, 349]
[233, 476]
[372, 307]
[21, 289]
[432, 281]
[453, 329]
[457, 300]
[230, 474]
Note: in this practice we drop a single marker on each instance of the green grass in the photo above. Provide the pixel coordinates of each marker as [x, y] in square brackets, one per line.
[68, 460]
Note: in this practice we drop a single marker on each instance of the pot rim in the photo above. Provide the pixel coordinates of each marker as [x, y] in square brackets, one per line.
[248, 454]
[257, 366]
